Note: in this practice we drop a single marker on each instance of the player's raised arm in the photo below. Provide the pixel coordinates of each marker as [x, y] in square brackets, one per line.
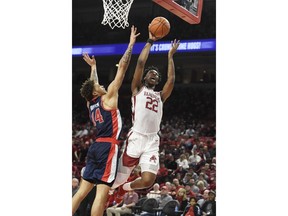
[137, 77]
[123, 65]
[168, 87]
[92, 63]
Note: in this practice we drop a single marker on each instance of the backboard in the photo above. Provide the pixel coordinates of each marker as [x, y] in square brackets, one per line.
[188, 10]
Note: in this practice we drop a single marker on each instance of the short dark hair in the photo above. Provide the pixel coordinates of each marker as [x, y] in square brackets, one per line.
[149, 69]
[86, 90]
[195, 199]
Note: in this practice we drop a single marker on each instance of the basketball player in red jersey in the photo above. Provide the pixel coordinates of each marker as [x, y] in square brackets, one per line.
[142, 143]
[102, 157]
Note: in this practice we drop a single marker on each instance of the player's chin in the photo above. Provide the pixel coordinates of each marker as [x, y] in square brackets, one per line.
[154, 82]
[103, 91]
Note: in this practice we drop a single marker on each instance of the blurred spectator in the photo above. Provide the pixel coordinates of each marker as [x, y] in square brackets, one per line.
[155, 193]
[130, 199]
[212, 151]
[82, 132]
[201, 186]
[75, 171]
[179, 177]
[193, 209]
[189, 192]
[177, 184]
[162, 200]
[194, 159]
[187, 178]
[171, 165]
[195, 189]
[83, 151]
[182, 198]
[205, 196]
[194, 174]
[206, 154]
[212, 179]
[75, 157]
[173, 191]
[201, 178]
[162, 175]
[75, 185]
[168, 185]
[209, 206]
[182, 162]
[206, 170]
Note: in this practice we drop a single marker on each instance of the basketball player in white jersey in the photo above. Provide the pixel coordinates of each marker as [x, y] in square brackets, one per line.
[142, 143]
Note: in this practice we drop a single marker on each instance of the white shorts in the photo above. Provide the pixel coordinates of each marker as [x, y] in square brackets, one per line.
[143, 150]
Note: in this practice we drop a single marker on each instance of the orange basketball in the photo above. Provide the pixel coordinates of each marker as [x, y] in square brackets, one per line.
[159, 27]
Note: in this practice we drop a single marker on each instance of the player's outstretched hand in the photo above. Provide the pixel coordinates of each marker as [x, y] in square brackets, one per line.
[90, 61]
[174, 46]
[133, 35]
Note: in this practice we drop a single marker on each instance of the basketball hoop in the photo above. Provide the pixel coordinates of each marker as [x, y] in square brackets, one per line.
[116, 13]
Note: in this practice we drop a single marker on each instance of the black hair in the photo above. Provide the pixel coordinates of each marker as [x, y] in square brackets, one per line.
[149, 69]
[86, 90]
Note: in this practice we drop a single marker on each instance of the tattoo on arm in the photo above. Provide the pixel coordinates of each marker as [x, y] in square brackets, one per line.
[127, 55]
[94, 75]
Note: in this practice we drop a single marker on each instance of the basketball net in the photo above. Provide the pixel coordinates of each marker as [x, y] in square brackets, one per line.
[116, 13]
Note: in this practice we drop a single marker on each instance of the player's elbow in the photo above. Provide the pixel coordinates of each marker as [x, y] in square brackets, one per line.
[141, 62]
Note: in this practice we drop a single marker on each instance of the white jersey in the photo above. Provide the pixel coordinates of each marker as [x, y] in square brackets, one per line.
[146, 111]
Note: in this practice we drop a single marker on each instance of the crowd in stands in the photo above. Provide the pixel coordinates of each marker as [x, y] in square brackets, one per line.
[187, 153]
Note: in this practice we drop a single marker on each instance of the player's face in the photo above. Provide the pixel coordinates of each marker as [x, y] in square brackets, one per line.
[99, 89]
[152, 77]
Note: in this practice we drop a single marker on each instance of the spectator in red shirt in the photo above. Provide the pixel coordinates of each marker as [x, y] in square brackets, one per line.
[177, 184]
[162, 174]
[173, 191]
[194, 209]
[189, 192]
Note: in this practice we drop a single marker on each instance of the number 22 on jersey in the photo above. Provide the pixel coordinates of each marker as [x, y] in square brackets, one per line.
[152, 104]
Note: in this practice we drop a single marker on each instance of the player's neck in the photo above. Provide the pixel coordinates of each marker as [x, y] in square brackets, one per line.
[94, 98]
[149, 86]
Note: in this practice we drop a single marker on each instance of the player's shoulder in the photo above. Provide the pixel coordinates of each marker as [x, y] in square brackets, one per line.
[138, 90]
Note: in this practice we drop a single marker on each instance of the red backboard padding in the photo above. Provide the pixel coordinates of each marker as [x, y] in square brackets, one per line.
[182, 12]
